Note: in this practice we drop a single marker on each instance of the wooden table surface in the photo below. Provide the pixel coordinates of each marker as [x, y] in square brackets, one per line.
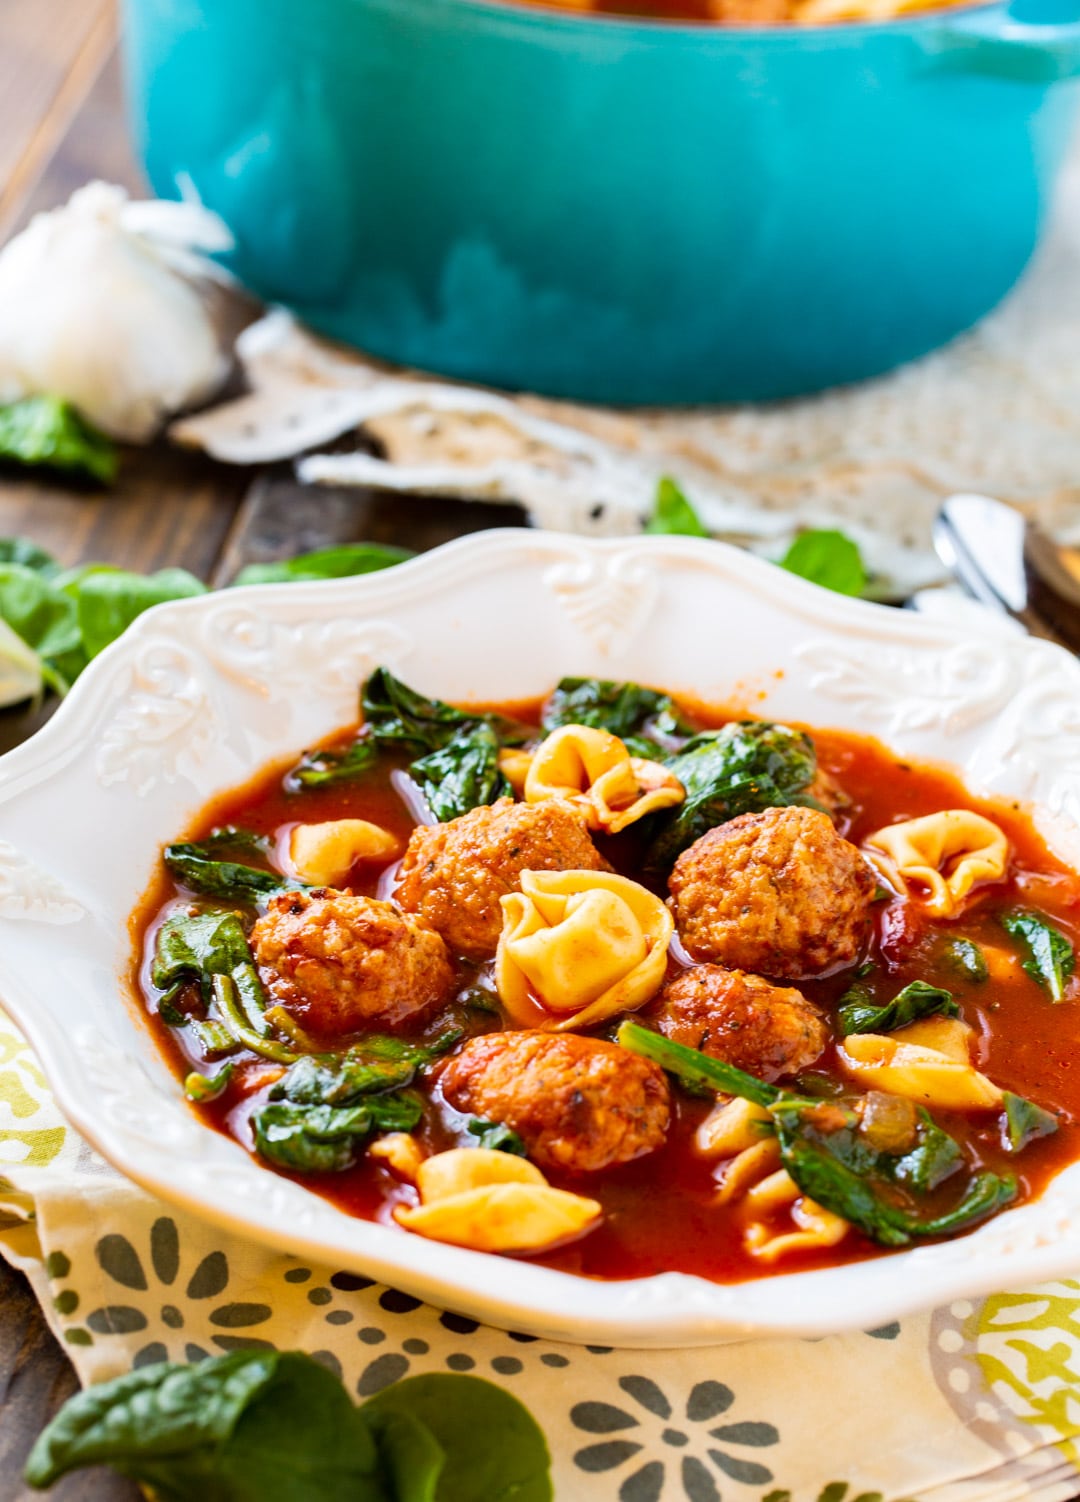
[61, 124]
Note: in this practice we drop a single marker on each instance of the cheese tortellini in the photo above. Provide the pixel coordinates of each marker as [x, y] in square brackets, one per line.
[948, 853]
[595, 771]
[324, 854]
[929, 1062]
[585, 944]
[493, 1202]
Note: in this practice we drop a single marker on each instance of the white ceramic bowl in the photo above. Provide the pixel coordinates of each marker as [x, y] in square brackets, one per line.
[199, 695]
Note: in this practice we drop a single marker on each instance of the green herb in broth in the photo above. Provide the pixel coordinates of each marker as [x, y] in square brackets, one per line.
[196, 865]
[831, 1160]
[1023, 1122]
[497, 1136]
[860, 1013]
[966, 958]
[328, 767]
[740, 769]
[1050, 958]
[462, 774]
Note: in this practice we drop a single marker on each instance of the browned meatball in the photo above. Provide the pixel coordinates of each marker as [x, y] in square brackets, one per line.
[766, 1030]
[778, 892]
[339, 963]
[454, 874]
[578, 1104]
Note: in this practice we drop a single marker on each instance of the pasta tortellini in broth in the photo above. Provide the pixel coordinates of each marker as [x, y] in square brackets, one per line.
[585, 944]
[493, 1202]
[929, 1062]
[947, 853]
[595, 770]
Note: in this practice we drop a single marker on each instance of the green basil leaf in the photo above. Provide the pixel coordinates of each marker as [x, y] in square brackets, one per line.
[328, 766]
[828, 558]
[496, 1136]
[859, 1013]
[740, 769]
[42, 430]
[1050, 958]
[343, 562]
[494, 1449]
[463, 774]
[1024, 1122]
[673, 515]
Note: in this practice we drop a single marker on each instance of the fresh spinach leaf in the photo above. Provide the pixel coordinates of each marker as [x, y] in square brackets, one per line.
[497, 1136]
[494, 1449]
[1023, 1122]
[411, 1456]
[109, 599]
[462, 774]
[673, 515]
[831, 1160]
[743, 768]
[622, 709]
[342, 562]
[23, 551]
[253, 1426]
[828, 558]
[45, 619]
[195, 865]
[859, 1013]
[966, 958]
[43, 430]
[1050, 958]
[22, 674]
[330, 765]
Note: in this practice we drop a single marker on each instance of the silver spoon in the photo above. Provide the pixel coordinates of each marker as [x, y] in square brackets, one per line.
[1009, 564]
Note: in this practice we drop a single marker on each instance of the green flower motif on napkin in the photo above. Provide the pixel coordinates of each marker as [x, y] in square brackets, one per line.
[656, 1438]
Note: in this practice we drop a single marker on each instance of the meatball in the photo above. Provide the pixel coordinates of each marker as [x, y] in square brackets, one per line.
[577, 1103]
[777, 892]
[339, 963]
[453, 874]
[766, 1030]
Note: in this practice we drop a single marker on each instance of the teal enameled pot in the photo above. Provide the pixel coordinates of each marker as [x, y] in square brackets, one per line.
[613, 210]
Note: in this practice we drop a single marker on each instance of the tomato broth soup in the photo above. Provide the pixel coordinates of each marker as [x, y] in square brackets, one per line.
[533, 1012]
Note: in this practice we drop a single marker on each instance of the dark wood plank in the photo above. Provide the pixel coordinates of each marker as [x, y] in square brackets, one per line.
[35, 1379]
[280, 518]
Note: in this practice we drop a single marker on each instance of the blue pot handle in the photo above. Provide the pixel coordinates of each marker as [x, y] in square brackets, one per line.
[1031, 41]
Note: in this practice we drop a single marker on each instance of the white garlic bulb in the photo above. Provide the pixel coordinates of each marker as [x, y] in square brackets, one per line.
[92, 309]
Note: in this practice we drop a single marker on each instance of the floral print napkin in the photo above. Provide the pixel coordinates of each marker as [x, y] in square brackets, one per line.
[976, 1402]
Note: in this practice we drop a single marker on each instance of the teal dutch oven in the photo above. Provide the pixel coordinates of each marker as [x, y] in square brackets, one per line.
[614, 210]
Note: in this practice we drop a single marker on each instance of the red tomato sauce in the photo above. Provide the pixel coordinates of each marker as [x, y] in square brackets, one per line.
[661, 1211]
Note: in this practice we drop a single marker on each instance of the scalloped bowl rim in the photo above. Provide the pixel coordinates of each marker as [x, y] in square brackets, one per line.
[121, 750]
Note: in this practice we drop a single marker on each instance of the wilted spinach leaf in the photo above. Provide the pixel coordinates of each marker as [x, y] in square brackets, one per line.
[860, 1013]
[740, 769]
[462, 774]
[325, 1107]
[197, 866]
[497, 1136]
[1024, 1122]
[673, 515]
[458, 766]
[1050, 958]
[622, 709]
[324, 768]
[43, 430]
[212, 949]
[201, 1088]
[342, 562]
[831, 1160]
[966, 958]
[828, 558]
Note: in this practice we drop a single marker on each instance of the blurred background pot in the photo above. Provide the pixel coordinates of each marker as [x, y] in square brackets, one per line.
[613, 210]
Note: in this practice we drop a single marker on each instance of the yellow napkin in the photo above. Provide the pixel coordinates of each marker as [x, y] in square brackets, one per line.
[977, 1402]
